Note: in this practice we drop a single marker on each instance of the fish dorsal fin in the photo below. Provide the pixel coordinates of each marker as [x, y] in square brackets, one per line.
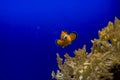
[73, 35]
[63, 33]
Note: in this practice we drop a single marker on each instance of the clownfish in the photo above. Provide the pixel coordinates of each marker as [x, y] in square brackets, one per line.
[66, 39]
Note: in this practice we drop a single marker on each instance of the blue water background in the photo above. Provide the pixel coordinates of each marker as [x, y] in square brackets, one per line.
[29, 28]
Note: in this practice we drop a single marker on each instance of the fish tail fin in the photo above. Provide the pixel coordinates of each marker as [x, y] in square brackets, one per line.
[73, 35]
[59, 42]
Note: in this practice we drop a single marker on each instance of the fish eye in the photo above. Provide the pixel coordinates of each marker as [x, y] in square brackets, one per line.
[65, 37]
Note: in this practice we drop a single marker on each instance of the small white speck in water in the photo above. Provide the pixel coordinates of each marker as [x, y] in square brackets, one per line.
[81, 77]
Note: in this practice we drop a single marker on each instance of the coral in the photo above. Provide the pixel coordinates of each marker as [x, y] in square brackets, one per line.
[102, 63]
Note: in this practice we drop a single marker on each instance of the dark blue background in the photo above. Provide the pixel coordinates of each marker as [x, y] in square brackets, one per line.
[29, 28]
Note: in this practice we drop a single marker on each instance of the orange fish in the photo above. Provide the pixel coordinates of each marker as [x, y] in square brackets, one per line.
[66, 38]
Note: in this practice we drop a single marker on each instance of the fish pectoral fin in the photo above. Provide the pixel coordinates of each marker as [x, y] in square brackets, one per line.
[59, 42]
[73, 35]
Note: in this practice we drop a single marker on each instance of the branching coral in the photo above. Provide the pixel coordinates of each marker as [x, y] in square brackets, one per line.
[98, 64]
